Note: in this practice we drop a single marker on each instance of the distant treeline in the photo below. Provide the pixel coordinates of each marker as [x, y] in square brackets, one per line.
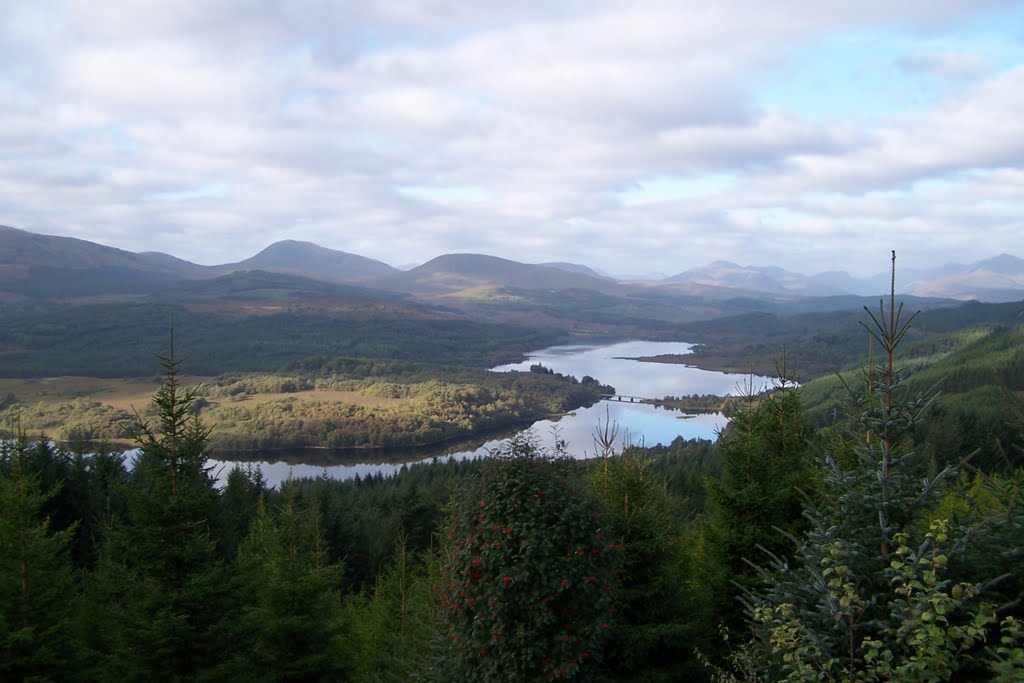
[819, 344]
[117, 340]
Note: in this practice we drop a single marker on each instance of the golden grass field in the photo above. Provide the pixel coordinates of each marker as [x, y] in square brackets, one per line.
[46, 399]
[120, 393]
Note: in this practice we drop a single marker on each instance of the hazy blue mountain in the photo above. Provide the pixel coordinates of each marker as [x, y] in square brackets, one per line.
[576, 268]
[312, 260]
[1000, 278]
[459, 272]
[33, 265]
[21, 250]
[765, 279]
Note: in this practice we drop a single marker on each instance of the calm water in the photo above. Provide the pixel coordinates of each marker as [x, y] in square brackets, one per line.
[637, 423]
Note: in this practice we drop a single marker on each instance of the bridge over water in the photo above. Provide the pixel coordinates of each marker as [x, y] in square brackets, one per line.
[623, 399]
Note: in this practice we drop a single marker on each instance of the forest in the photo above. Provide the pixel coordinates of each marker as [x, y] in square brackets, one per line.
[343, 403]
[861, 543]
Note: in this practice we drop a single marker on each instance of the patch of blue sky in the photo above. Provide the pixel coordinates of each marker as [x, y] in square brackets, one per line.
[866, 75]
[111, 133]
[384, 143]
[998, 36]
[446, 193]
[672, 188]
[204, 191]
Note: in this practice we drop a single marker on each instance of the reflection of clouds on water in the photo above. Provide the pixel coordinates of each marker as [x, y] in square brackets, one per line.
[638, 423]
[276, 472]
[611, 364]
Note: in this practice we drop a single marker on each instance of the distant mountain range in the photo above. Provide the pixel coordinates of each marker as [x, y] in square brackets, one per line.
[1000, 278]
[459, 272]
[43, 266]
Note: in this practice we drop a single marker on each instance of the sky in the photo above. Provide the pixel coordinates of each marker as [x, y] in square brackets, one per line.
[635, 137]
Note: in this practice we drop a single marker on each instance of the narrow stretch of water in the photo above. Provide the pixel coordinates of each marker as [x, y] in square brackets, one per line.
[637, 423]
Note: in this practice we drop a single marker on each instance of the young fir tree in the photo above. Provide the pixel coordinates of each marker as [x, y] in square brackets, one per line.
[758, 500]
[240, 501]
[293, 626]
[868, 595]
[36, 581]
[161, 586]
[397, 625]
[657, 612]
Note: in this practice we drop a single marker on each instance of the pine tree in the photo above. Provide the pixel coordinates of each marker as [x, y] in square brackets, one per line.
[758, 500]
[657, 614]
[397, 624]
[36, 580]
[293, 626]
[160, 580]
[868, 595]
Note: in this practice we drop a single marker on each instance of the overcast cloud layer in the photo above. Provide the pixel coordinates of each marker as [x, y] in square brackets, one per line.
[631, 136]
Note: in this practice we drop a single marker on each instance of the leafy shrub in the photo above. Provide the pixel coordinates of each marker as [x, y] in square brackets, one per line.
[528, 573]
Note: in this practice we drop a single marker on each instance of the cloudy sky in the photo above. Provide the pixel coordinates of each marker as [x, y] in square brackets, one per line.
[632, 136]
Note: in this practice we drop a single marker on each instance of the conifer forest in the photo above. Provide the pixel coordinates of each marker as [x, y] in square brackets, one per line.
[863, 527]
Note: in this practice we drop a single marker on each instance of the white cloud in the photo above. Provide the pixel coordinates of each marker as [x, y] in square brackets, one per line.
[519, 126]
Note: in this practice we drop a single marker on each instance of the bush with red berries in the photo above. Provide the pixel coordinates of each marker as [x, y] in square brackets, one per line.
[528, 572]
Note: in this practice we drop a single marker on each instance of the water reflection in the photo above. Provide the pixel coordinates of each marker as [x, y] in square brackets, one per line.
[638, 423]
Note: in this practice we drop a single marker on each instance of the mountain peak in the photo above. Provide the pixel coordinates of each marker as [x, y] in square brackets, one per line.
[296, 257]
[455, 272]
[1005, 264]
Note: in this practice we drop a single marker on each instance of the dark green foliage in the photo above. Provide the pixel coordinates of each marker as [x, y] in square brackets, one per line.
[758, 499]
[528, 571]
[114, 340]
[240, 501]
[36, 581]
[363, 519]
[160, 580]
[657, 609]
[292, 626]
[869, 595]
[685, 465]
[397, 625]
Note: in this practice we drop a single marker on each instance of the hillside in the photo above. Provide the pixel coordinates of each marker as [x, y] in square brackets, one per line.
[45, 266]
[311, 260]
[21, 251]
[454, 273]
[822, 343]
[34, 267]
[576, 268]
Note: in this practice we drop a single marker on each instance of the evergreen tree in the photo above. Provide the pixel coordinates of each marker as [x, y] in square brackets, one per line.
[36, 581]
[657, 613]
[868, 596]
[160, 582]
[239, 503]
[397, 625]
[757, 501]
[293, 626]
